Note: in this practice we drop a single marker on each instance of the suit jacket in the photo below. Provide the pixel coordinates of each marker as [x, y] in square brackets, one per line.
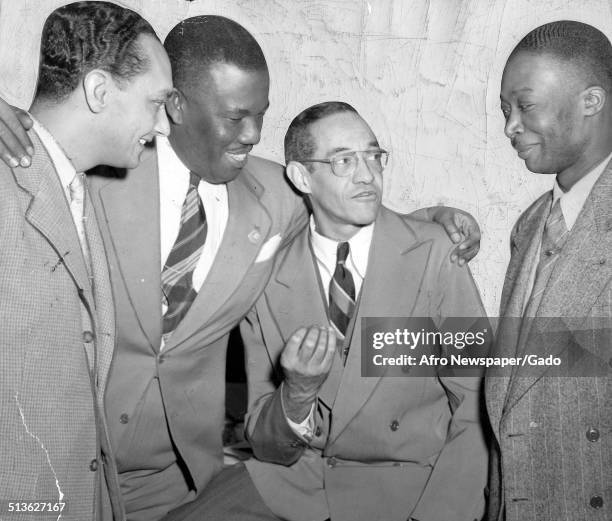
[57, 339]
[553, 450]
[384, 448]
[166, 410]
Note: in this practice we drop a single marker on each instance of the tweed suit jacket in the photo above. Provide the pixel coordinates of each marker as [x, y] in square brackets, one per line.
[161, 404]
[385, 448]
[56, 342]
[552, 457]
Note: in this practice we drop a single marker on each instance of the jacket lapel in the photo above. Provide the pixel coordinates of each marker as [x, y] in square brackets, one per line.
[580, 275]
[50, 214]
[130, 211]
[515, 292]
[390, 289]
[246, 231]
[297, 275]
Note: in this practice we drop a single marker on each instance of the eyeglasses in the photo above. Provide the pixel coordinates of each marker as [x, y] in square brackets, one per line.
[345, 163]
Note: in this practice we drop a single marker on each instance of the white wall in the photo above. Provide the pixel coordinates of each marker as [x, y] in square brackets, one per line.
[425, 74]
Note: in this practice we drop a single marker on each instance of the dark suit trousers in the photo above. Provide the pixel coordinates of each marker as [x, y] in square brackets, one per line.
[230, 496]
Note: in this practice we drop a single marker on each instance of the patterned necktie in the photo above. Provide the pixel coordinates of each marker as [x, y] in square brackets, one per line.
[341, 292]
[554, 237]
[77, 207]
[177, 275]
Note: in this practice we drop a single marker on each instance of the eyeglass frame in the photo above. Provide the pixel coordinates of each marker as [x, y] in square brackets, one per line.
[352, 153]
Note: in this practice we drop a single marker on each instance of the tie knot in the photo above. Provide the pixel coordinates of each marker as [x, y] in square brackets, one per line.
[555, 219]
[194, 180]
[342, 253]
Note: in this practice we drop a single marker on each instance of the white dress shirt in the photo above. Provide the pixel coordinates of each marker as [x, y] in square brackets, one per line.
[325, 252]
[173, 186]
[571, 203]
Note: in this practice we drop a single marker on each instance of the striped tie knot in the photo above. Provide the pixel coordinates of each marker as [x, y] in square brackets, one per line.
[342, 253]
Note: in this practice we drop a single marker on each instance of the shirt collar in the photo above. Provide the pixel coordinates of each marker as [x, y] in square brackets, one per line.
[63, 165]
[325, 249]
[573, 200]
[174, 175]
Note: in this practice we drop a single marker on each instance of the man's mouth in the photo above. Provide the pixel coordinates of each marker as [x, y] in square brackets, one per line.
[238, 158]
[524, 150]
[366, 195]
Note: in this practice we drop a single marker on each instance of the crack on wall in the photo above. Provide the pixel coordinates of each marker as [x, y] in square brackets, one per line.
[42, 445]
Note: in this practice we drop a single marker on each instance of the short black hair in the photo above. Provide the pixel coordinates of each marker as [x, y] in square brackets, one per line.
[582, 45]
[198, 42]
[299, 142]
[80, 37]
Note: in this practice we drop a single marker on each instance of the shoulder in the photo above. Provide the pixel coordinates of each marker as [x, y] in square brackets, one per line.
[269, 174]
[267, 179]
[423, 231]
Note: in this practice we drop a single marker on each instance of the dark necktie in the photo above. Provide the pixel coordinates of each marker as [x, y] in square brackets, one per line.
[341, 292]
[177, 275]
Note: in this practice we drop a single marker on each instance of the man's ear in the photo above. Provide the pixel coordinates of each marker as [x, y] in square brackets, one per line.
[594, 99]
[96, 86]
[299, 176]
[175, 106]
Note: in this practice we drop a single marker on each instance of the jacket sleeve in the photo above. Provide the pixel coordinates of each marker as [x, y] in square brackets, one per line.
[459, 475]
[266, 426]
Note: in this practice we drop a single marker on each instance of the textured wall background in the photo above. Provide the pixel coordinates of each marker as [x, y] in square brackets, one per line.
[425, 74]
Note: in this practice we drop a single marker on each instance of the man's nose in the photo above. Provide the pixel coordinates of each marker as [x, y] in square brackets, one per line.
[162, 125]
[513, 124]
[363, 170]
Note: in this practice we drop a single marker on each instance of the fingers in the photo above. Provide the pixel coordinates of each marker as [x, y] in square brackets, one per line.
[15, 145]
[309, 350]
[446, 218]
[462, 253]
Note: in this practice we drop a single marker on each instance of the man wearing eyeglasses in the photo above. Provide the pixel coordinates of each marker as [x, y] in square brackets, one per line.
[330, 443]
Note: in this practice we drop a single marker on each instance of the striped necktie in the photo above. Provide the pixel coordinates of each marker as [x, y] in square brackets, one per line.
[554, 237]
[177, 274]
[341, 292]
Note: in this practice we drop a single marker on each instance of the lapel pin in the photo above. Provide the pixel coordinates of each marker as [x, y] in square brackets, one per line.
[254, 235]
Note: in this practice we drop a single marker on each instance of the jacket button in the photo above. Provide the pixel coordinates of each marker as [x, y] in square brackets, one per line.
[124, 418]
[331, 462]
[592, 434]
[394, 425]
[161, 359]
[318, 432]
[596, 502]
[93, 466]
[88, 336]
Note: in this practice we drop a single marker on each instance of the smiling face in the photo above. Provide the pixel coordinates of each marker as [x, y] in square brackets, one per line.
[222, 120]
[137, 113]
[342, 205]
[542, 102]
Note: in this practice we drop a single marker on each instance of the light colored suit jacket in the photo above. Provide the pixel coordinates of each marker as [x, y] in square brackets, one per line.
[553, 452]
[56, 342]
[384, 448]
[156, 401]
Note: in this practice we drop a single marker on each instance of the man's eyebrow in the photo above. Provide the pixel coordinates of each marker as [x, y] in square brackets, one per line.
[518, 91]
[371, 144]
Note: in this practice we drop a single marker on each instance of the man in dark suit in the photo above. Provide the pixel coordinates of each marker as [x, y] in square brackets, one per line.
[58, 330]
[165, 397]
[553, 450]
[330, 443]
